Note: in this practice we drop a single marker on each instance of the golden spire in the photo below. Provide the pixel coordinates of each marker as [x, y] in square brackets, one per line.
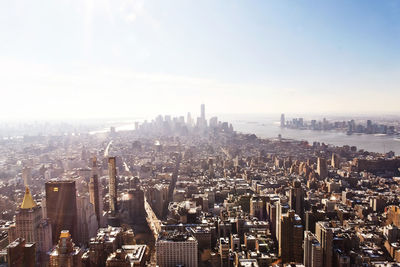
[28, 202]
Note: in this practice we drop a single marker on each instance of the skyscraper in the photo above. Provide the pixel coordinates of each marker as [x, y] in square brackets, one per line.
[28, 217]
[335, 161]
[322, 168]
[203, 112]
[66, 254]
[324, 235]
[281, 208]
[201, 121]
[136, 203]
[296, 198]
[94, 195]
[312, 251]
[30, 225]
[112, 175]
[291, 238]
[282, 120]
[189, 121]
[61, 207]
[87, 220]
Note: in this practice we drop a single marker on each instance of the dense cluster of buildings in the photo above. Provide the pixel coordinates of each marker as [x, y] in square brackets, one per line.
[193, 192]
[349, 127]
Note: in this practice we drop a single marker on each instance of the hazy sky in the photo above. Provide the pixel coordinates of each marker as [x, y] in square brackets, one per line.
[98, 58]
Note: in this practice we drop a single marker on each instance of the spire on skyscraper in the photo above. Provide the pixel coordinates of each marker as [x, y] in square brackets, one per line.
[28, 202]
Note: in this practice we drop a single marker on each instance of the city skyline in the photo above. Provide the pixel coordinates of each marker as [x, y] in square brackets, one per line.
[70, 59]
[205, 133]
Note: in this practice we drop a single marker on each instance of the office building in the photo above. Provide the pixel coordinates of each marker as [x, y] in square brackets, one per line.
[257, 208]
[335, 161]
[31, 226]
[201, 121]
[312, 251]
[296, 198]
[189, 120]
[65, 254]
[21, 253]
[291, 238]
[95, 199]
[311, 217]
[282, 120]
[157, 196]
[95, 194]
[102, 245]
[322, 168]
[112, 185]
[224, 251]
[61, 207]
[281, 208]
[136, 210]
[324, 234]
[203, 112]
[87, 220]
[176, 248]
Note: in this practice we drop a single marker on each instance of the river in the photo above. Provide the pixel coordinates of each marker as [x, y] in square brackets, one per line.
[269, 128]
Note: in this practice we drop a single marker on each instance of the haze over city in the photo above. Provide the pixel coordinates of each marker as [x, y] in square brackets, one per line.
[181, 133]
[91, 59]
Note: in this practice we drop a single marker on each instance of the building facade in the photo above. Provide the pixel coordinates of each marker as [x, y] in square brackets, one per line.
[61, 207]
[174, 248]
[65, 254]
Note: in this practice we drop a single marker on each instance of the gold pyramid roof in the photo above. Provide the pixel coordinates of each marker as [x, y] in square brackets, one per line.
[28, 202]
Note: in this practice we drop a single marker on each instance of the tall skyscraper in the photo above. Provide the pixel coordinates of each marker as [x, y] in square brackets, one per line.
[87, 220]
[30, 225]
[66, 254]
[281, 208]
[94, 195]
[312, 251]
[322, 168]
[282, 120]
[112, 175]
[189, 120]
[291, 238]
[296, 198]
[224, 251]
[136, 203]
[324, 235]
[335, 161]
[311, 217]
[61, 207]
[203, 112]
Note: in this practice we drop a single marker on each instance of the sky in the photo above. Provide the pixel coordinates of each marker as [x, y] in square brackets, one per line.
[129, 58]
